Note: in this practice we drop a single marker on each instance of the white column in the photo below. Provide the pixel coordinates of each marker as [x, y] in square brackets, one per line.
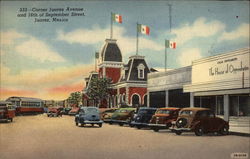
[166, 98]
[191, 99]
[104, 71]
[226, 107]
[127, 95]
[148, 102]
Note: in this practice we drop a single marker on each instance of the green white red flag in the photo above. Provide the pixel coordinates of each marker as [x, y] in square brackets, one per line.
[170, 44]
[143, 29]
[117, 18]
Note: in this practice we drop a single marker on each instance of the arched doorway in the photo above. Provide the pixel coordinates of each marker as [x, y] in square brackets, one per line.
[135, 100]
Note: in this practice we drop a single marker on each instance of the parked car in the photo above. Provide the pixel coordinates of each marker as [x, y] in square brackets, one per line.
[163, 117]
[74, 111]
[55, 112]
[107, 113]
[66, 110]
[88, 115]
[7, 111]
[142, 117]
[199, 121]
[122, 116]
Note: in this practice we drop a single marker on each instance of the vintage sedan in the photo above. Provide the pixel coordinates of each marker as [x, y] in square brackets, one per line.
[55, 112]
[107, 113]
[66, 110]
[88, 115]
[163, 118]
[122, 116]
[7, 111]
[199, 121]
[142, 117]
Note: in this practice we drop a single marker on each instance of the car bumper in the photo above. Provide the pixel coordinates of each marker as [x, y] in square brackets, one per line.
[160, 126]
[119, 121]
[139, 124]
[91, 122]
[181, 129]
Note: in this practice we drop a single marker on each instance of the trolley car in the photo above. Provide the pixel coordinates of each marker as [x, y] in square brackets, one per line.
[7, 111]
[26, 105]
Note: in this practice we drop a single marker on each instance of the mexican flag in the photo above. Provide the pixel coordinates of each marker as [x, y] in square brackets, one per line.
[116, 18]
[170, 44]
[143, 29]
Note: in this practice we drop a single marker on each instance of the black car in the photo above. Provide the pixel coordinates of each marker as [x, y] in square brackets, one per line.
[142, 117]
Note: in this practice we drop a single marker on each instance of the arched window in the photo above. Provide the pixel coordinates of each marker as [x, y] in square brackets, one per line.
[140, 69]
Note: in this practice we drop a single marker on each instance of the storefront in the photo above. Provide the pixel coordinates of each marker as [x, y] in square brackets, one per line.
[165, 89]
[222, 83]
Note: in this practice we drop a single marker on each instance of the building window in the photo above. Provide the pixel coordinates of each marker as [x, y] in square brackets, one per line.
[140, 69]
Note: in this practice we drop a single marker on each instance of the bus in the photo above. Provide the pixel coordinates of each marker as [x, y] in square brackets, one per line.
[27, 105]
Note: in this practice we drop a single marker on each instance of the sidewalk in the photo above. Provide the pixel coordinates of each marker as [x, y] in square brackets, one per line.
[242, 131]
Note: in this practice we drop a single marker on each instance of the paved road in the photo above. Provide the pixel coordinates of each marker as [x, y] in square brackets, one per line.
[30, 137]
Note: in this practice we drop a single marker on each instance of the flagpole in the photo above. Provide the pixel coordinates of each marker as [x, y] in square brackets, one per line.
[137, 38]
[111, 28]
[165, 59]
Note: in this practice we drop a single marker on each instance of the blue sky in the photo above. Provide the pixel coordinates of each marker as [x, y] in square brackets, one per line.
[37, 51]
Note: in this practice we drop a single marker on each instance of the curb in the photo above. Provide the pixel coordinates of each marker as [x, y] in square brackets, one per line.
[239, 134]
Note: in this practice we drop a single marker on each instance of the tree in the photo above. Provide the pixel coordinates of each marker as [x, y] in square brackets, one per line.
[98, 89]
[75, 98]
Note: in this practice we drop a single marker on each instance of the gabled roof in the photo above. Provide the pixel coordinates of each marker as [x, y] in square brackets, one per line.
[111, 51]
[92, 75]
[131, 69]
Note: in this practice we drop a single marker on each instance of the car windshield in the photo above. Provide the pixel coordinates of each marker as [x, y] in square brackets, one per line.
[186, 112]
[123, 111]
[146, 111]
[160, 111]
[92, 110]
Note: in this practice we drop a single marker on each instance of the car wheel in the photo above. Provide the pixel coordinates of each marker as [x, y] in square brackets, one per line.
[110, 123]
[11, 119]
[199, 131]
[178, 132]
[156, 129]
[100, 125]
[121, 124]
[138, 127]
[224, 130]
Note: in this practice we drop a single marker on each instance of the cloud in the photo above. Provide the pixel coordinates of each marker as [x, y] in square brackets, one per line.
[200, 28]
[8, 37]
[39, 50]
[56, 83]
[97, 35]
[29, 46]
[189, 55]
[83, 36]
[241, 32]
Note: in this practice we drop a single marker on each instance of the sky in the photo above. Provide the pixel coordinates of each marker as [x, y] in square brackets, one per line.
[49, 60]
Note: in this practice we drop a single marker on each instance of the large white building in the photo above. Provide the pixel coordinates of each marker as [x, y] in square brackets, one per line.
[219, 82]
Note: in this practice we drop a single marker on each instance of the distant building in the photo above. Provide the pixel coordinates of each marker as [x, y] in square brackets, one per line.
[129, 81]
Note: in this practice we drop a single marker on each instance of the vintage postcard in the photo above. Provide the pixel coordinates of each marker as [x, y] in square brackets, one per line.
[124, 79]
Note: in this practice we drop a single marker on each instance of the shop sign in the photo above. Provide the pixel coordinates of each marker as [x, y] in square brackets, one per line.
[222, 69]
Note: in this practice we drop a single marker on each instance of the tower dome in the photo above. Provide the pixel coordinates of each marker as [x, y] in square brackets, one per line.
[111, 52]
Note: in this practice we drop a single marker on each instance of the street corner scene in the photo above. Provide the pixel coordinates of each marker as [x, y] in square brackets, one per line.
[124, 79]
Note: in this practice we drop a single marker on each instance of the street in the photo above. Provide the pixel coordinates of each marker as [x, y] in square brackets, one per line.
[39, 136]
